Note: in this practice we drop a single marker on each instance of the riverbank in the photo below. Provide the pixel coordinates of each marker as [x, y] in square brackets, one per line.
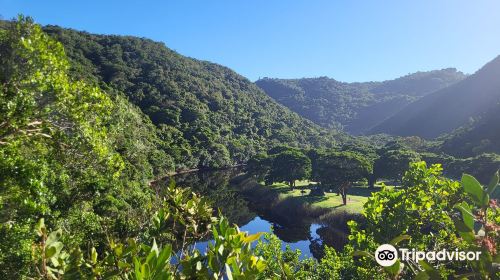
[290, 204]
[356, 198]
[256, 208]
[301, 193]
[292, 209]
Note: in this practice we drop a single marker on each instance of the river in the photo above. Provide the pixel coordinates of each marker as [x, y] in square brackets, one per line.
[304, 234]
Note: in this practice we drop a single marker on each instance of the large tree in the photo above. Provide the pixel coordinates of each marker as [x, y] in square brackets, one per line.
[259, 166]
[341, 169]
[369, 152]
[290, 166]
[393, 163]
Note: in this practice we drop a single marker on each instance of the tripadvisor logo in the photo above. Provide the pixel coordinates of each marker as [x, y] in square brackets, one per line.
[387, 255]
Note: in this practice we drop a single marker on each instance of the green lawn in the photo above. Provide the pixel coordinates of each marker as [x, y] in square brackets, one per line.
[357, 196]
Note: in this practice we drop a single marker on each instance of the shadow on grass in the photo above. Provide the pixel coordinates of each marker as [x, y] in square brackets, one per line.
[287, 209]
[290, 194]
[363, 191]
[309, 198]
[297, 213]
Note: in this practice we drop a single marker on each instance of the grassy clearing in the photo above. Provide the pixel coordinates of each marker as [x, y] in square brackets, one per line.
[357, 196]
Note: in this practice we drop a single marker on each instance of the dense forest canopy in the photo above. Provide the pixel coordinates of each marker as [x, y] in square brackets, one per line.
[480, 136]
[356, 107]
[205, 114]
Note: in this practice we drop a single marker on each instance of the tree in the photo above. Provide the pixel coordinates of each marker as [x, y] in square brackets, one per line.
[259, 166]
[393, 163]
[341, 169]
[481, 166]
[290, 166]
[280, 149]
[55, 153]
[432, 212]
[368, 152]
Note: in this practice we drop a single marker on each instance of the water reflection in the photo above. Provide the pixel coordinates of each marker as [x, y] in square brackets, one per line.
[306, 246]
[215, 186]
[298, 233]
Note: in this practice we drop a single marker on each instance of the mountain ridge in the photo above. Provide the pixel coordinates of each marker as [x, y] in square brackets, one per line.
[332, 103]
[448, 108]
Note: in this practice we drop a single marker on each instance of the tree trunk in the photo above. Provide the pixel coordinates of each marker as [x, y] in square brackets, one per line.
[371, 181]
[343, 191]
[344, 198]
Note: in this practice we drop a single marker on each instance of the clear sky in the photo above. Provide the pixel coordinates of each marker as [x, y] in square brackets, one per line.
[347, 40]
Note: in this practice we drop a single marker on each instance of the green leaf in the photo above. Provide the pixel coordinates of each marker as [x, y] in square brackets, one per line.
[253, 237]
[165, 254]
[287, 270]
[234, 265]
[215, 233]
[49, 252]
[493, 183]
[93, 255]
[429, 270]
[486, 199]
[395, 269]
[155, 248]
[363, 254]
[40, 227]
[137, 269]
[467, 216]
[422, 275]
[400, 238]
[123, 265]
[474, 189]
[464, 231]
[221, 249]
[57, 245]
[54, 237]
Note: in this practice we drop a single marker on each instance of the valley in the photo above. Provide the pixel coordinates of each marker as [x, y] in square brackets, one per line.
[120, 158]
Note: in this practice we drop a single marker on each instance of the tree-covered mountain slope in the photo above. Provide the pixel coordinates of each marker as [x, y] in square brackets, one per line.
[449, 108]
[206, 114]
[356, 107]
[480, 136]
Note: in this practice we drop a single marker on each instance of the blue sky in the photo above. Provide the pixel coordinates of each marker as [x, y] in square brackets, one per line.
[345, 40]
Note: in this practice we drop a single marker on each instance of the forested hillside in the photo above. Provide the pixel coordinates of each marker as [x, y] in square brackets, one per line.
[447, 109]
[205, 114]
[356, 107]
[480, 136]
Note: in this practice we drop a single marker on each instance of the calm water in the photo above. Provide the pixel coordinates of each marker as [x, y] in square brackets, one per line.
[307, 236]
[260, 225]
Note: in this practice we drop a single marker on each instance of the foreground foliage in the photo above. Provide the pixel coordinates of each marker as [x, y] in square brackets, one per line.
[432, 214]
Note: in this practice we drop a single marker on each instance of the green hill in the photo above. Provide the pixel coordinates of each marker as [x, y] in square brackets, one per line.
[356, 107]
[477, 137]
[206, 115]
[449, 108]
